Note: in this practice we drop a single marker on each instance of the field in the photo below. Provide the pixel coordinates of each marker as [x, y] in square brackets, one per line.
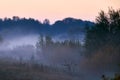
[25, 71]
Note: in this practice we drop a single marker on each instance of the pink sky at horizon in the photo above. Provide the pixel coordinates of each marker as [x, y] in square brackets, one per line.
[55, 9]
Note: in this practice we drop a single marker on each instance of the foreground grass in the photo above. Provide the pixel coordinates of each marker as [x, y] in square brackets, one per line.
[18, 71]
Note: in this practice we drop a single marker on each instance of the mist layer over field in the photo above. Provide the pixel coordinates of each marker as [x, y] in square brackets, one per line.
[74, 48]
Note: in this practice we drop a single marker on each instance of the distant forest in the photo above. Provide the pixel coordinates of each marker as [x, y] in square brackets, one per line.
[67, 25]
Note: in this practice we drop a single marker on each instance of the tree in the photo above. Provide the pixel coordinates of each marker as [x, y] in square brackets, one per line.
[48, 40]
[16, 18]
[105, 32]
[46, 22]
[1, 39]
[40, 42]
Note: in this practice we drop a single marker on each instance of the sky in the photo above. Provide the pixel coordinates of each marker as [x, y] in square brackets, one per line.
[55, 9]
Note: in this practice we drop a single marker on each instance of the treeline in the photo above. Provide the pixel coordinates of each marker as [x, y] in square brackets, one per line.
[102, 42]
[59, 52]
[105, 34]
[16, 21]
[29, 24]
[45, 41]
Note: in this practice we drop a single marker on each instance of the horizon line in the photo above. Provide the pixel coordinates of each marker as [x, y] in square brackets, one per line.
[40, 20]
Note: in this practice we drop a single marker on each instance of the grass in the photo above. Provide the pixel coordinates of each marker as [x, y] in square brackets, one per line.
[20, 71]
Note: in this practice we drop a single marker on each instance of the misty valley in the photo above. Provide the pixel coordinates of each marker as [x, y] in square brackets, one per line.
[69, 49]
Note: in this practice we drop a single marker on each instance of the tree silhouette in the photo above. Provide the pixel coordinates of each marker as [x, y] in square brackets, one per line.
[46, 22]
[105, 31]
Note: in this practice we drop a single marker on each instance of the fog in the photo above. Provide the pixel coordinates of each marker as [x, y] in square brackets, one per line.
[23, 48]
[18, 47]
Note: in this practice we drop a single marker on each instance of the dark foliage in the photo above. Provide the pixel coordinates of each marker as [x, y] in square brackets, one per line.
[102, 42]
[32, 25]
[105, 33]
